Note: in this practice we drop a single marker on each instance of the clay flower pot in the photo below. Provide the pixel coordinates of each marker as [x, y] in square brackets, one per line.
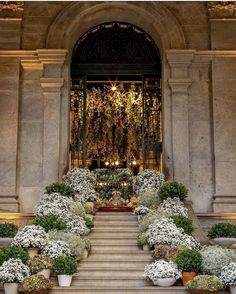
[188, 276]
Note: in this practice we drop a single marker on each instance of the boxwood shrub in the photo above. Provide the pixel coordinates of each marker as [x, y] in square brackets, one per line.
[65, 265]
[219, 230]
[13, 252]
[8, 230]
[172, 190]
[61, 188]
[50, 222]
[183, 222]
[189, 260]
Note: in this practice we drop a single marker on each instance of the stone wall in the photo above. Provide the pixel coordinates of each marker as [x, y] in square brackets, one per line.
[199, 69]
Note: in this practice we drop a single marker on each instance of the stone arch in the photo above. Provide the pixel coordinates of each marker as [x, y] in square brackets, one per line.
[77, 18]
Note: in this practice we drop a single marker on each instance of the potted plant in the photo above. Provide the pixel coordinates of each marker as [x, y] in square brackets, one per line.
[32, 237]
[142, 241]
[35, 284]
[12, 272]
[190, 262]
[165, 252]
[228, 276]
[65, 267]
[7, 233]
[172, 190]
[50, 222]
[223, 234]
[162, 273]
[204, 284]
[183, 222]
[40, 265]
[53, 249]
[140, 211]
[61, 188]
[13, 252]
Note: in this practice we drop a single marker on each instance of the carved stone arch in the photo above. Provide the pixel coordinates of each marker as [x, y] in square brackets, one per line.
[79, 17]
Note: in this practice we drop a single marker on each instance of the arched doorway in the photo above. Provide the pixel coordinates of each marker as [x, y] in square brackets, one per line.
[115, 101]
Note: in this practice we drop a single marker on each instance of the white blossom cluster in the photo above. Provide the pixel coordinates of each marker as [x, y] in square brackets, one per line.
[53, 249]
[85, 192]
[78, 175]
[228, 274]
[162, 269]
[13, 271]
[188, 241]
[173, 206]
[148, 180]
[141, 210]
[30, 236]
[75, 224]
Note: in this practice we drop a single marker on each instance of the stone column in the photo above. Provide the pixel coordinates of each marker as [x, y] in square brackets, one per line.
[179, 82]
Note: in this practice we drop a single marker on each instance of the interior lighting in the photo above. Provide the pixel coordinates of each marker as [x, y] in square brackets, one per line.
[114, 88]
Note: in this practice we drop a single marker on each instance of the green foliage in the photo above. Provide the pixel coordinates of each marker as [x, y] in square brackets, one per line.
[148, 219]
[61, 188]
[65, 265]
[8, 230]
[89, 222]
[39, 263]
[149, 199]
[50, 222]
[165, 252]
[13, 252]
[205, 282]
[76, 244]
[142, 239]
[219, 230]
[172, 190]
[77, 208]
[35, 284]
[189, 260]
[183, 222]
[88, 208]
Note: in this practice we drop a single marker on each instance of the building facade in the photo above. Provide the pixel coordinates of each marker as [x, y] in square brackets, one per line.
[198, 55]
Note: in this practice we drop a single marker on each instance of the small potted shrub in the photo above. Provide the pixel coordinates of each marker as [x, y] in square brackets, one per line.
[13, 252]
[142, 241]
[65, 267]
[223, 234]
[7, 232]
[162, 273]
[35, 284]
[228, 276]
[165, 252]
[12, 272]
[32, 237]
[190, 262]
[183, 222]
[40, 265]
[172, 190]
[204, 284]
[50, 222]
[61, 188]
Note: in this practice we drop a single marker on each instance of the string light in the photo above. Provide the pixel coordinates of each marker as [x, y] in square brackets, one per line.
[114, 88]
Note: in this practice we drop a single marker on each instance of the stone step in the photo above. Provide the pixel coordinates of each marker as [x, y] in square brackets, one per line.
[115, 217]
[118, 272]
[142, 255]
[115, 248]
[110, 213]
[114, 223]
[113, 235]
[111, 263]
[117, 229]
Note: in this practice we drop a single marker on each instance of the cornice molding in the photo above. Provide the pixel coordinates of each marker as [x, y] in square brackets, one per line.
[222, 9]
[11, 9]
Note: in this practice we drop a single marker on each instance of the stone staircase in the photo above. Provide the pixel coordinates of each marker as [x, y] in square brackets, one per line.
[116, 263]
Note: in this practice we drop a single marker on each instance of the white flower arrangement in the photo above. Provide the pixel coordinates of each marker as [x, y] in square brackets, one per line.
[85, 192]
[13, 271]
[30, 236]
[228, 274]
[188, 241]
[214, 258]
[162, 269]
[141, 210]
[53, 249]
[173, 206]
[76, 225]
[148, 180]
[78, 175]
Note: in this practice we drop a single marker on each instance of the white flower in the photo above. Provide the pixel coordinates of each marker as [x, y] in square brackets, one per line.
[173, 207]
[76, 225]
[54, 249]
[13, 271]
[78, 175]
[30, 236]
[162, 269]
[228, 274]
[141, 210]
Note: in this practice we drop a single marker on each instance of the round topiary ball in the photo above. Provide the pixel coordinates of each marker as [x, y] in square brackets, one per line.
[172, 190]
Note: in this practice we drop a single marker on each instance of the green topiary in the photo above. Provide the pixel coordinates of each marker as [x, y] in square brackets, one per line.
[65, 265]
[189, 260]
[89, 222]
[219, 230]
[61, 188]
[172, 190]
[183, 222]
[13, 252]
[149, 199]
[8, 230]
[50, 222]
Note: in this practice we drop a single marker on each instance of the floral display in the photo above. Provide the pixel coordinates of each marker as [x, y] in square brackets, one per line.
[150, 199]
[61, 188]
[173, 207]
[162, 269]
[54, 249]
[34, 284]
[30, 236]
[165, 252]
[85, 192]
[13, 271]
[205, 282]
[187, 241]
[148, 180]
[228, 274]
[76, 225]
[149, 219]
[141, 210]
[39, 263]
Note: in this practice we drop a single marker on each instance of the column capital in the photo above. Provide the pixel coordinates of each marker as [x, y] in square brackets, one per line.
[179, 86]
[178, 57]
[52, 56]
[51, 85]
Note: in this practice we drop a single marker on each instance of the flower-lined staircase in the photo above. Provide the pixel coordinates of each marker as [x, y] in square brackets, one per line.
[116, 263]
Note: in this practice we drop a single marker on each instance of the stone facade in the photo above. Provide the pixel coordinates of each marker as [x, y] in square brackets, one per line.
[199, 72]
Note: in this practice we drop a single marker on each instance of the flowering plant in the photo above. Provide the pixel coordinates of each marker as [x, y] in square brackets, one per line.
[141, 210]
[30, 236]
[76, 225]
[162, 269]
[173, 206]
[149, 219]
[54, 249]
[228, 274]
[165, 252]
[13, 271]
[187, 241]
[148, 180]
[205, 282]
[76, 176]
[39, 263]
[35, 283]
[86, 192]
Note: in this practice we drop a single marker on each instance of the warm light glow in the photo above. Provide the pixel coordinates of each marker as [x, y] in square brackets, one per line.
[113, 88]
[134, 162]
[116, 162]
[106, 163]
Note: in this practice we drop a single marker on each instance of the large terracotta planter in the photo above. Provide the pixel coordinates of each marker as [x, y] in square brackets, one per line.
[188, 276]
[164, 282]
[10, 288]
[198, 291]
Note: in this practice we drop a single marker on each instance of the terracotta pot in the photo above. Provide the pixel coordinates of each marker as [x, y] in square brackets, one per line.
[198, 291]
[188, 276]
